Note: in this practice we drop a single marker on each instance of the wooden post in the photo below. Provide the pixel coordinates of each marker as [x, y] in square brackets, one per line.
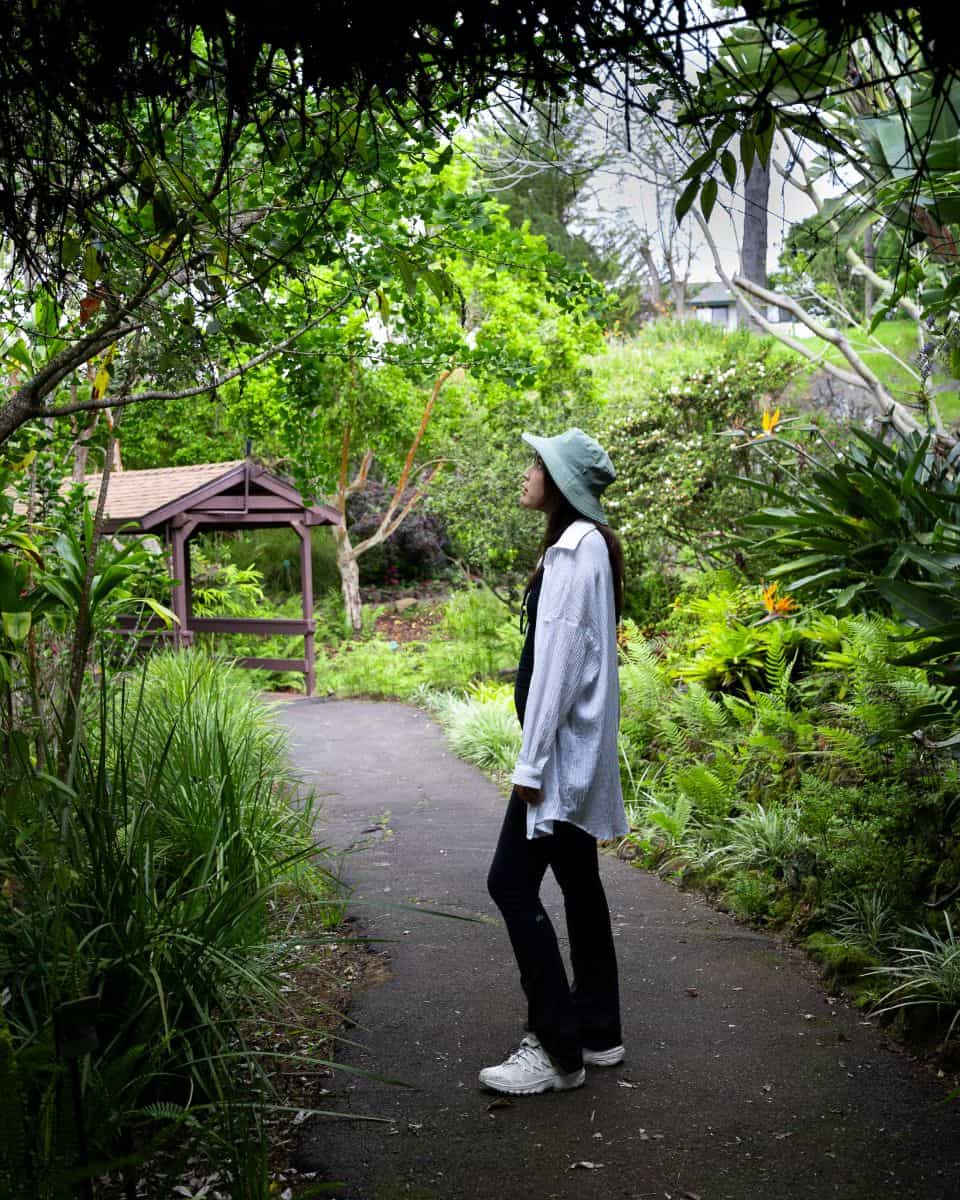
[306, 588]
[180, 531]
[179, 571]
[187, 594]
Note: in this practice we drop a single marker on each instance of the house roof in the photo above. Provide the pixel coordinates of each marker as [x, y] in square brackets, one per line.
[226, 494]
[712, 295]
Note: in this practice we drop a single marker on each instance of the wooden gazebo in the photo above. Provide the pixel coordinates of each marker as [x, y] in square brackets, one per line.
[176, 502]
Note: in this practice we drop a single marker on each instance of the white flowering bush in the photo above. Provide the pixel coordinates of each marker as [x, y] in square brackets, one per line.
[669, 433]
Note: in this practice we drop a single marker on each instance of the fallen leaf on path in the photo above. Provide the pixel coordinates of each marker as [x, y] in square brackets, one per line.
[626, 1083]
[587, 1166]
[503, 1102]
[692, 992]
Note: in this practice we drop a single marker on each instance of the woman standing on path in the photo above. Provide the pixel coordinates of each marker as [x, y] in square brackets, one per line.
[566, 791]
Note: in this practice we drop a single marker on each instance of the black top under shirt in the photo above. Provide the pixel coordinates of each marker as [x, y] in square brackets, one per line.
[521, 688]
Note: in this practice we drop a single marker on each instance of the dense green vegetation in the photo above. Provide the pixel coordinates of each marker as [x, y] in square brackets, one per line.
[216, 230]
[145, 843]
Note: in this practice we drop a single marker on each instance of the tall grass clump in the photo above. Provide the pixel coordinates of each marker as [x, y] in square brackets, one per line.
[138, 890]
[482, 726]
[928, 970]
[207, 744]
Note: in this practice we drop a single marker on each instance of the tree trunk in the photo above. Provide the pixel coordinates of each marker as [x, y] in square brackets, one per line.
[349, 570]
[656, 288]
[753, 249]
[678, 291]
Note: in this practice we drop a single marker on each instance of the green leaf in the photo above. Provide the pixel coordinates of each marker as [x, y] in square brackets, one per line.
[687, 198]
[245, 332]
[91, 264]
[798, 584]
[70, 249]
[799, 564]
[20, 354]
[842, 599]
[923, 605]
[16, 625]
[708, 197]
[440, 284]
[699, 165]
[405, 268]
[748, 149]
[938, 564]
[728, 164]
[167, 615]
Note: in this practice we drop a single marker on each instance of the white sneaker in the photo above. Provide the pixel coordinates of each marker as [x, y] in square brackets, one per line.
[529, 1070]
[604, 1058]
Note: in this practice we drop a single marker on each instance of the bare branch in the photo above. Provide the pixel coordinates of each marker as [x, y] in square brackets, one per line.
[387, 529]
[414, 447]
[769, 326]
[186, 393]
[361, 476]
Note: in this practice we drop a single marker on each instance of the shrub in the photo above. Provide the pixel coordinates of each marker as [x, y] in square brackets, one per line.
[750, 895]
[206, 744]
[275, 553]
[418, 550]
[762, 838]
[866, 917]
[673, 392]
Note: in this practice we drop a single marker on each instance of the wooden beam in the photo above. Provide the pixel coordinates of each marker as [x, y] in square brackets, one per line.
[172, 508]
[253, 502]
[188, 582]
[322, 514]
[244, 520]
[272, 664]
[266, 626]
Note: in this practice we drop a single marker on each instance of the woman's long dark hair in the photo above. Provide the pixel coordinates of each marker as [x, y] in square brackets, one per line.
[560, 514]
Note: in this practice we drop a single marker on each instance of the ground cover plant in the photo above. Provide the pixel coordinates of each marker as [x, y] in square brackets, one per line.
[764, 761]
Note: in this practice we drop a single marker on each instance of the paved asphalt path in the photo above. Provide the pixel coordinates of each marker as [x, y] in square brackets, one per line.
[742, 1079]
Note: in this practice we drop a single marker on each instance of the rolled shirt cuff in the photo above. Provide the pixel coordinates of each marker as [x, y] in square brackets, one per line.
[527, 776]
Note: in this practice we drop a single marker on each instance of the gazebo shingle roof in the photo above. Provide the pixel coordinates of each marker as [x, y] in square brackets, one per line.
[133, 494]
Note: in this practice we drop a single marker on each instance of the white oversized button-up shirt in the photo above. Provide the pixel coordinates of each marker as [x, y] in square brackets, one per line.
[569, 747]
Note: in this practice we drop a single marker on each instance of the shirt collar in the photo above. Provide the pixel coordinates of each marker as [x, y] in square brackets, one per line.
[574, 534]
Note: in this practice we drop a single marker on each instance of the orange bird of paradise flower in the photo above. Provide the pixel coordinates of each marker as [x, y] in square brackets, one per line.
[777, 606]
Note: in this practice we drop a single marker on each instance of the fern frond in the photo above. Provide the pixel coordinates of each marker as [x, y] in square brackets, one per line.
[776, 667]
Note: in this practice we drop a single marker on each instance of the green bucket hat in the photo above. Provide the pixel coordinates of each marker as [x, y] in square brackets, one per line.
[579, 466]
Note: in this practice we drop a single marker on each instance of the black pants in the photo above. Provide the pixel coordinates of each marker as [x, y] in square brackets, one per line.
[565, 1018]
